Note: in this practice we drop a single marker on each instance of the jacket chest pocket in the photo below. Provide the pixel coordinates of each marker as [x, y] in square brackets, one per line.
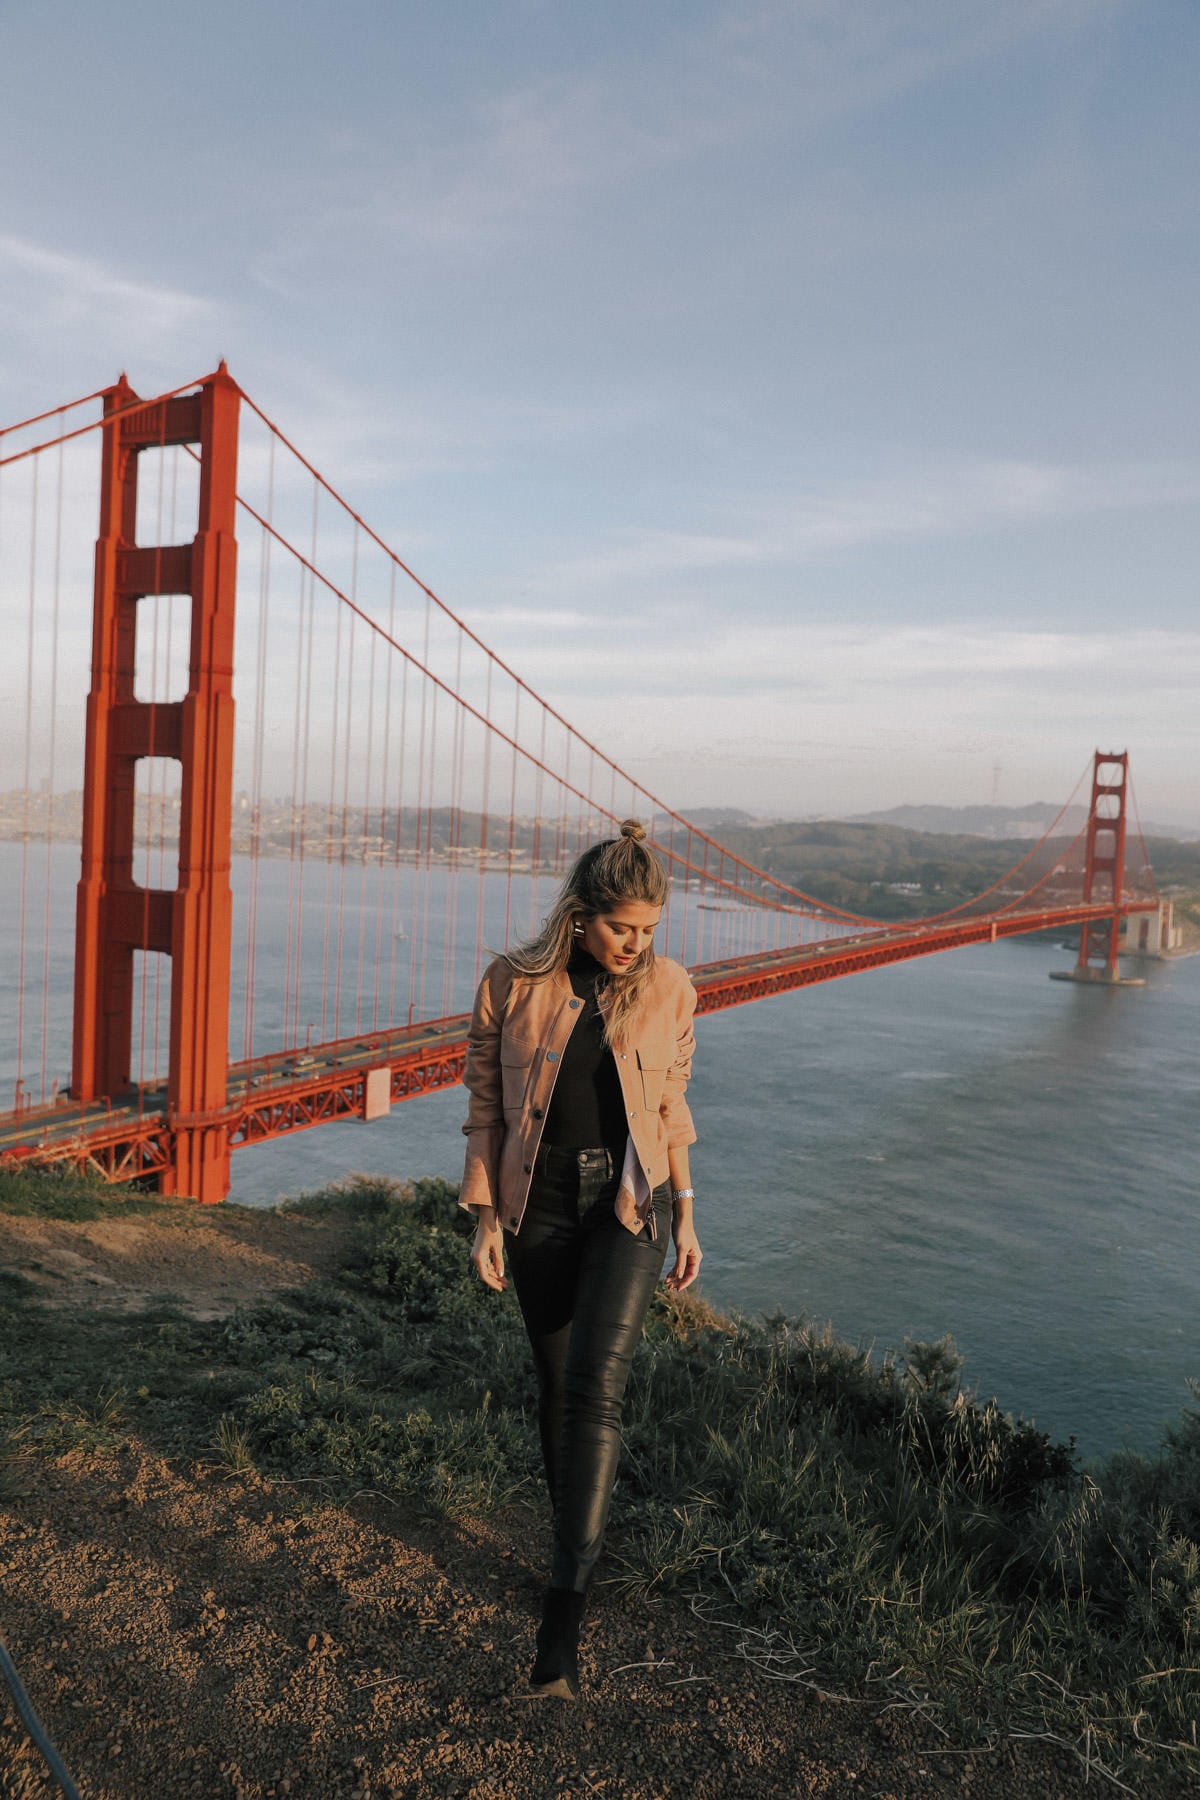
[652, 1066]
[517, 1059]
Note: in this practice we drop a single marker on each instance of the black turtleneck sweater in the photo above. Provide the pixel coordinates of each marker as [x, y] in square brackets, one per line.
[587, 1108]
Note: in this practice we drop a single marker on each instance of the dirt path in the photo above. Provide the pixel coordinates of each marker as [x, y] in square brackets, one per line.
[210, 1259]
[187, 1632]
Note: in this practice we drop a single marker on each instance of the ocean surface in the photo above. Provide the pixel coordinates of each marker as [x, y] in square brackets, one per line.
[955, 1144]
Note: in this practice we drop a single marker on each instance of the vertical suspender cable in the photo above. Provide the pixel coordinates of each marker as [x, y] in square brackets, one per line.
[19, 1096]
[344, 845]
[563, 839]
[329, 817]
[397, 922]
[535, 855]
[590, 830]
[454, 843]
[293, 813]
[303, 746]
[364, 808]
[485, 809]
[685, 892]
[667, 914]
[582, 810]
[369, 849]
[418, 887]
[427, 853]
[512, 814]
[51, 776]
[308, 825]
[389, 666]
[256, 784]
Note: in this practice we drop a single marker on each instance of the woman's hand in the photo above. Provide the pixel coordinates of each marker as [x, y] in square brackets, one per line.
[487, 1251]
[688, 1256]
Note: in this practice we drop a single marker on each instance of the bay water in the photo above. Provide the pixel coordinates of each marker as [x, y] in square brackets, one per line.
[954, 1144]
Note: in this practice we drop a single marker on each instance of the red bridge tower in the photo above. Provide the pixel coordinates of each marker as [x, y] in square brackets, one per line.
[1104, 868]
[115, 917]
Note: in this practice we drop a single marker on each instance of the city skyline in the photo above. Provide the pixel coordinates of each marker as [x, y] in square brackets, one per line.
[267, 823]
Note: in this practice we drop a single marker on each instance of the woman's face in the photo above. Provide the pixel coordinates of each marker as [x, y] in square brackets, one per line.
[617, 936]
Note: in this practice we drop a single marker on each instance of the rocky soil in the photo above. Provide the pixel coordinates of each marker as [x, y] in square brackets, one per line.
[190, 1631]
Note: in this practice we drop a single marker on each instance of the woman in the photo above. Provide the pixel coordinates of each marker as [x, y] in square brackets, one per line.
[577, 1148]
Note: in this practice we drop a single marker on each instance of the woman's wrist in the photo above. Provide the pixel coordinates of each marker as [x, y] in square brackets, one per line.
[486, 1216]
[681, 1214]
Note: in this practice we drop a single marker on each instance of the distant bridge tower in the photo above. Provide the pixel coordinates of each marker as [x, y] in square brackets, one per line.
[1104, 868]
[115, 916]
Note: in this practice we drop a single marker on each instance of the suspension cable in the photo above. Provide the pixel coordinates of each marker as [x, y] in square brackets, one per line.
[109, 418]
[52, 412]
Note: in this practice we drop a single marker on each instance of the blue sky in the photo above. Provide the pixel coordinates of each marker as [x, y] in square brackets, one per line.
[802, 396]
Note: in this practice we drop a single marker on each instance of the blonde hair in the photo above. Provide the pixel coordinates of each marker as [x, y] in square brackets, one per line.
[618, 869]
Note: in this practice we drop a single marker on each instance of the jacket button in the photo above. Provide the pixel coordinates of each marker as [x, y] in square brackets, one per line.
[573, 1004]
[538, 1113]
[513, 1221]
[552, 1056]
[529, 1168]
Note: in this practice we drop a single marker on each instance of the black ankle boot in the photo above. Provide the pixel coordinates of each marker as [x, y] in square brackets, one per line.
[555, 1670]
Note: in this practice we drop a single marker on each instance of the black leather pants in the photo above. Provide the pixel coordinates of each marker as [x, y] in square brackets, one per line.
[584, 1283]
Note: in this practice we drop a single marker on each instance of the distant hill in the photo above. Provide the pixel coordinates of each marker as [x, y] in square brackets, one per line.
[978, 821]
[711, 818]
[887, 869]
[1007, 822]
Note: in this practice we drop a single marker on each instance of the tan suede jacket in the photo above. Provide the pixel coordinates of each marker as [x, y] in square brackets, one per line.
[518, 1030]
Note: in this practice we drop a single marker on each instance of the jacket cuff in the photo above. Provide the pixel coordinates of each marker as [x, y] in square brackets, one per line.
[480, 1183]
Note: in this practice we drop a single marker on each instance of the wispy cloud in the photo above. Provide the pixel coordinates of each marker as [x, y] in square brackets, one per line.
[487, 173]
[849, 59]
[828, 663]
[849, 718]
[496, 170]
[73, 290]
[942, 502]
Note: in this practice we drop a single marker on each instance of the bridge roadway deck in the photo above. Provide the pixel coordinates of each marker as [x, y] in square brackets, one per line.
[272, 1096]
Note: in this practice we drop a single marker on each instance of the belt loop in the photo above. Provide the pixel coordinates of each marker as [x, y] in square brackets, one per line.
[608, 1162]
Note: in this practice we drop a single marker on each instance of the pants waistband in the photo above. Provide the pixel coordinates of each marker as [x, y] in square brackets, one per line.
[552, 1161]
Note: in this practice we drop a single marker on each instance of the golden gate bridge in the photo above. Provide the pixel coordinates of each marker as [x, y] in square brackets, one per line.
[232, 924]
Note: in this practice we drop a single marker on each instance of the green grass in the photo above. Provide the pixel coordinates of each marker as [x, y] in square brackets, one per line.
[56, 1191]
[863, 1522]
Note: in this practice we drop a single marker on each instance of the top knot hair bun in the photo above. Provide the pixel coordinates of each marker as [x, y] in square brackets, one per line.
[604, 878]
